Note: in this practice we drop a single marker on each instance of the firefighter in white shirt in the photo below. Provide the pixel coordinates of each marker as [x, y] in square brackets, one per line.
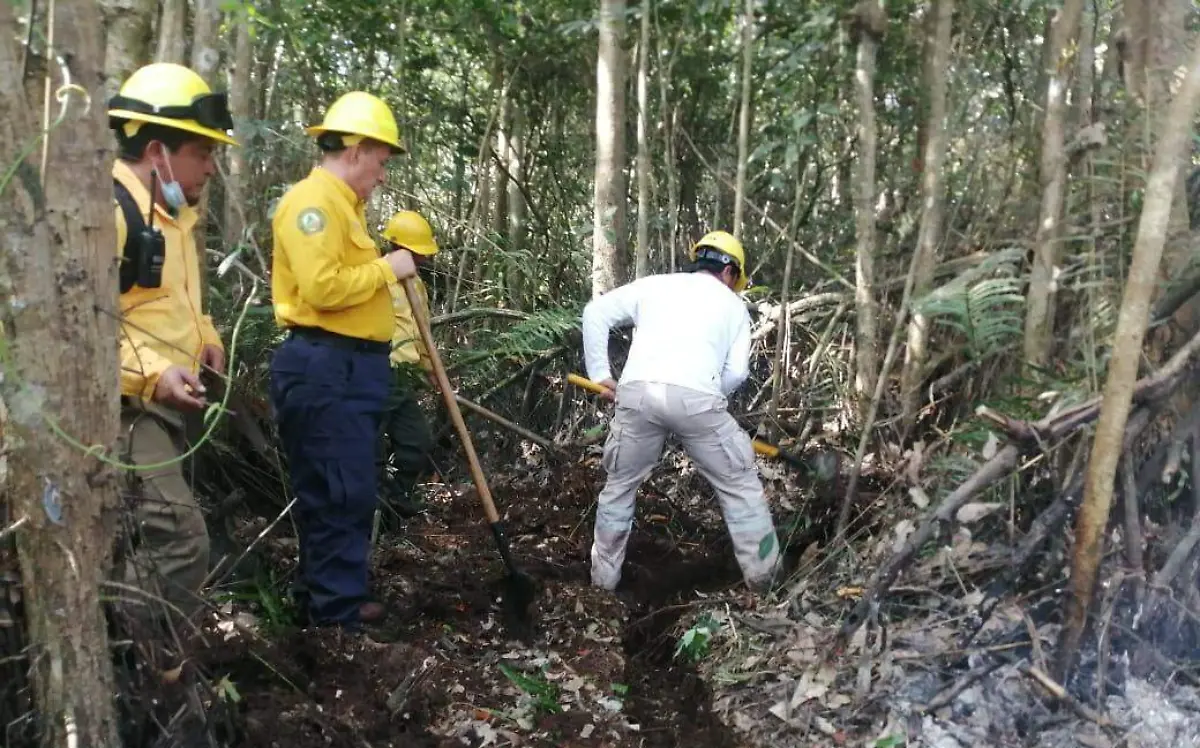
[691, 350]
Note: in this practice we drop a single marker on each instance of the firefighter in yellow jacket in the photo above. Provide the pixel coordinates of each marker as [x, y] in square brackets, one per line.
[405, 430]
[330, 377]
[168, 124]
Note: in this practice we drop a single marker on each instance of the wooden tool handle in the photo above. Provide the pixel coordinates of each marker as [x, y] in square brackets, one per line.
[439, 371]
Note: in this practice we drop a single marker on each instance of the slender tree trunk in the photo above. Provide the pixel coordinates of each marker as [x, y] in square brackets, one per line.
[932, 197]
[205, 59]
[668, 117]
[60, 365]
[206, 56]
[241, 94]
[608, 233]
[739, 198]
[516, 204]
[172, 32]
[1039, 306]
[1123, 366]
[870, 25]
[643, 145]
[128, 26]
[502, 156]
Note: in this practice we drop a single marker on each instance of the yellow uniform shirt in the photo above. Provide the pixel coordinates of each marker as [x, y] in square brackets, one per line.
[161, 327]
[326, 271]
[407, 346]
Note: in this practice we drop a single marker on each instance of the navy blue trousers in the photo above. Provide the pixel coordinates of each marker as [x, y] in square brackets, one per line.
[328, 402]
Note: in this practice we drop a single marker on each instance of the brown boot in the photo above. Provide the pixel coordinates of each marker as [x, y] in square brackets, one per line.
[370, 612]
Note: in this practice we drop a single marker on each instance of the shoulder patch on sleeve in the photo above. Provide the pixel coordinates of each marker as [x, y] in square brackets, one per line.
[311, 221]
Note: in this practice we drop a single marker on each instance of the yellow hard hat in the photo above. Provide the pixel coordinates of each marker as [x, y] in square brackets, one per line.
[728, 249]
[411, 231]
[171, 95]
[360, 113]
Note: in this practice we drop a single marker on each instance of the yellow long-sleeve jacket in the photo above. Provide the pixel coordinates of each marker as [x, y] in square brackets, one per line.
[326, 270]
[407, 346]
[161, 327]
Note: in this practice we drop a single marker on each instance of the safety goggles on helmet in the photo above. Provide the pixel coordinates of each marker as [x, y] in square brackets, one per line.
[716, 255]
[207, 110]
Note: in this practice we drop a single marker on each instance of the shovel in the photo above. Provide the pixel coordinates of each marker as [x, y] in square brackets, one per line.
[826, 467]
[520, 588]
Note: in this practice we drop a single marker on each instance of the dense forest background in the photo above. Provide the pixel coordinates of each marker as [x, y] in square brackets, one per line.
[971, 230]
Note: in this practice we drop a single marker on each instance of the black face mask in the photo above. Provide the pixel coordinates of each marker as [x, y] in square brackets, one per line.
[208, 110]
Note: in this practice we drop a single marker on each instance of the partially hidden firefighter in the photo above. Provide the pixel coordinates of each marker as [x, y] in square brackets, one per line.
[168, 124]
[406, 432]
[330, 377]
[690, 352]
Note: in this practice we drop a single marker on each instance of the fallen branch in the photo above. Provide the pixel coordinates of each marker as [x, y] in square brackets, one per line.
[1060, 693]
[1045, 430]
[794, 308]
[476, 312]
[947, 695]
[516, 428]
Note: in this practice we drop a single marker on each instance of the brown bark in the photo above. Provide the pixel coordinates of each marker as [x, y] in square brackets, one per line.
[172, 32]
[642, 264]
[516, 203]
[1123, 366]
[1039, 307]
[241, 95]
[932, 198]
[609, 242]
[128, 26]
[743, 151]
[870, 24]
[60, 364]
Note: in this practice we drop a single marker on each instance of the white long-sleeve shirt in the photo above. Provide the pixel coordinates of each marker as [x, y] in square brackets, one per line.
[690, 330]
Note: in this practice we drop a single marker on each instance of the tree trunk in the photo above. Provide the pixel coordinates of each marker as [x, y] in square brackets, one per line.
[206, 55]
[1039, 304]
[608, 221]
[870, 25]
[60, 371]
[739, 187]
[172, 32]
[241, 94]
[501, 157]
[516, 204]
[642, 267]
[1156, 43]
[669, 117]
[932, 197]
[128, 26]
[1126, 354]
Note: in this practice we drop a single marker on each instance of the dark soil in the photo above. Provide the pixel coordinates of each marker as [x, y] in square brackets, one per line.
[444, 669]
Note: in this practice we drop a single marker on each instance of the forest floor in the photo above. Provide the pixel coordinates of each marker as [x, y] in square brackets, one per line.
[679, 655]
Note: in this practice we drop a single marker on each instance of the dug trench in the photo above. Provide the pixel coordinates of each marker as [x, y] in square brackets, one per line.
[600, 668]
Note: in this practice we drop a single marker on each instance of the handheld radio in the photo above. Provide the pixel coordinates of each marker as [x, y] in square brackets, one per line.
[151, 245]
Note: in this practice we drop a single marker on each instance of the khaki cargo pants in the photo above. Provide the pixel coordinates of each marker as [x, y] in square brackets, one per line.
[165, 527]
[646, 413]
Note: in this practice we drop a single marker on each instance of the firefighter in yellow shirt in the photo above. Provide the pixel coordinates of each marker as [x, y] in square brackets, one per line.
[330, 377]
[168, 124]
[405, 429]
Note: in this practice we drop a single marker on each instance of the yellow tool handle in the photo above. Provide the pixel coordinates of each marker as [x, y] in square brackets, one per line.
[762, 448]
[586, 384]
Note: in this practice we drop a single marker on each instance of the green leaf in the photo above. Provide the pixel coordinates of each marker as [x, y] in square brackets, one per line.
[620, 689]
[766, 545]
[891, 741]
